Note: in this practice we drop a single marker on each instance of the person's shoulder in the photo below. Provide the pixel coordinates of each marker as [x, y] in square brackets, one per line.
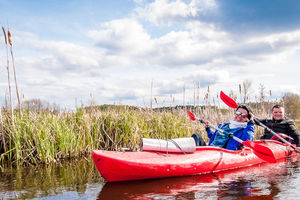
[288, 121]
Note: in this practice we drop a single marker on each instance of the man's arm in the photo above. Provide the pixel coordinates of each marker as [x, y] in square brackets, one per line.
[293, 132]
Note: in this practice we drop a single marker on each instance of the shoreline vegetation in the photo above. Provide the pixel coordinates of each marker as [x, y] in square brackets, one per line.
[46, 137]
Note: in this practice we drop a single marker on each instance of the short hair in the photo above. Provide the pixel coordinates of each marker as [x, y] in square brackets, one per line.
[277, 106]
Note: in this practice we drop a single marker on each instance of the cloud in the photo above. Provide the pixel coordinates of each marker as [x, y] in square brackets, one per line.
[197, 43]
[123, 37]
[163, 12]
[203, 77]
[127, 40]
[59, 55]
[207, 77]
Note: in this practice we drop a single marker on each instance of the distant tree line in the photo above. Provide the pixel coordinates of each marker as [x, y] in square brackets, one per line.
[290, 101]
[38, 105]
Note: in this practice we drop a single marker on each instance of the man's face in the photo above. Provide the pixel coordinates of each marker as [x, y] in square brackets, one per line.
[278, 113]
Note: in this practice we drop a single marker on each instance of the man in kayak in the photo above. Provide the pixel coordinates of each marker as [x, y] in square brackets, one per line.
[242, 126]
[282, 125]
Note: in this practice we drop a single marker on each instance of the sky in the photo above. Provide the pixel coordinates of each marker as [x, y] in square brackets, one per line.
[129, 52]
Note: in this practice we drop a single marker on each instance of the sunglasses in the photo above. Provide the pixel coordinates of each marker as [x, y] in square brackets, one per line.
[241, 114]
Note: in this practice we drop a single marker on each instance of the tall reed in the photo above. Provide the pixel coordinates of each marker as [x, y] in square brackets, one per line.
[44, 137]
[9, 36]
[8, 77]
[2, 132]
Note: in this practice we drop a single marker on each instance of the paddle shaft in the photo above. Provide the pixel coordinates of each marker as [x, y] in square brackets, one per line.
[221, 131]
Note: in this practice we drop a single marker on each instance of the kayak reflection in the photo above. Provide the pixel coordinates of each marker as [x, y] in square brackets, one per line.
[255, 182]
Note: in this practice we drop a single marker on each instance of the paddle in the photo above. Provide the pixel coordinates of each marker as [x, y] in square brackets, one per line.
[232, 104]
[260, 151]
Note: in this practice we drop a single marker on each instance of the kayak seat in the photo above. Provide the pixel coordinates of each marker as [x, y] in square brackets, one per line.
[198, 139]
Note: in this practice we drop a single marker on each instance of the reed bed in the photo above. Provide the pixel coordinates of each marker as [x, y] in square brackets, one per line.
[46, 137]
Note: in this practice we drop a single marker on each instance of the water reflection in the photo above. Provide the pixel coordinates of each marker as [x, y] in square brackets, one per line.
[259, 182]
[81, 180]
[48, 180]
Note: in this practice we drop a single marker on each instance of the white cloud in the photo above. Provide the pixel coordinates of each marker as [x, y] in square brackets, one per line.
[129, 43]
[127, 40]
[281, 41]
[208, 76]
[163, 12]
[123, 37]
[59, 54]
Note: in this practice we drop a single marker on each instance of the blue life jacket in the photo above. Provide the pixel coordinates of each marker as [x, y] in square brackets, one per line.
[223, 140]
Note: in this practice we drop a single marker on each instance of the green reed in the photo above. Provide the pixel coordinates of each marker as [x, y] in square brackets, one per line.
[45, 137]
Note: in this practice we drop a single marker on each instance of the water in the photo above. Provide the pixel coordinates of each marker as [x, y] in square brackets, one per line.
[68, 180]
[80, 180]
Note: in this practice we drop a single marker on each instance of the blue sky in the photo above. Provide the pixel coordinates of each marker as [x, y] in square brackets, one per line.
[71, 52]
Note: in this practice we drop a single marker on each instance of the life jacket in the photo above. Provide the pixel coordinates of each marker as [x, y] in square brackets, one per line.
[222, 139]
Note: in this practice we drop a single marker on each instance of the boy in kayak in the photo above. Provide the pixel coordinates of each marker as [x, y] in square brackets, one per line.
[242, 126]
[282, 125]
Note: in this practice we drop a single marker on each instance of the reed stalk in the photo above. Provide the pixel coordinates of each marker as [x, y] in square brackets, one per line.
[2, 131]
[13, 63]
[8, 77]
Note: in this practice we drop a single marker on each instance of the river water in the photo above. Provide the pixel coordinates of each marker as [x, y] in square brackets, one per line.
[80, 180]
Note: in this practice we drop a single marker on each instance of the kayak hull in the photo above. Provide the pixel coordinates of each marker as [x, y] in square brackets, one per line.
[124, 166]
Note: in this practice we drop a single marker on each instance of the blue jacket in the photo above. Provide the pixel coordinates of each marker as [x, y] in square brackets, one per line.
[242, 133]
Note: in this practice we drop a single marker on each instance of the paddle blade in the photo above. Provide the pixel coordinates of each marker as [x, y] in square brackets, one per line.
[191, 115]
[261, 151]
[227, 100]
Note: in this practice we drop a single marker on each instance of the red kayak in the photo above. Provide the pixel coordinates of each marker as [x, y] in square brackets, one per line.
[199, 185]
[124, 166]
